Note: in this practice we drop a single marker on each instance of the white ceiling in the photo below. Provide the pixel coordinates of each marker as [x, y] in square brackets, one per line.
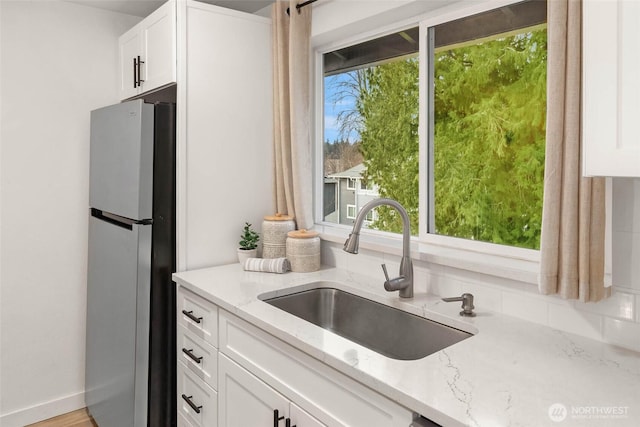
[143, 8]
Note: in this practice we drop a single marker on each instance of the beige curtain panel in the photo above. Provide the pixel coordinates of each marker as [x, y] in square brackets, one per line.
[292, 133]
[573, 217]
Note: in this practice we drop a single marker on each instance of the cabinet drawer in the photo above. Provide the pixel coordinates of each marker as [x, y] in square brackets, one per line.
[197, 402]
[198, 356]
[182, 421]
[326, 394]
[198, 315]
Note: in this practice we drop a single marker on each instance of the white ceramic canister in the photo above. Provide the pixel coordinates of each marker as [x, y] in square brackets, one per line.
[303, 250]
[274, 235]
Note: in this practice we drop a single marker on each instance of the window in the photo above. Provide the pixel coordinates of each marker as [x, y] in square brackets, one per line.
[487, 94]
[351, 211]
[485, 99]
[371, 215]
[371, 121]
[351, 184]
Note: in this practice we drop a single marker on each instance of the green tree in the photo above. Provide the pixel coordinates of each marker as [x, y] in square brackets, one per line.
[490, 106]
[389, 135]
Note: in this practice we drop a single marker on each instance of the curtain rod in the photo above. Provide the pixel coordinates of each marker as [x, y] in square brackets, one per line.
[301, 5]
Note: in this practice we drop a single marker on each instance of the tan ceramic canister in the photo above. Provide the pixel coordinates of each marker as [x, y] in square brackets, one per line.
[274, 235]
[303, 250]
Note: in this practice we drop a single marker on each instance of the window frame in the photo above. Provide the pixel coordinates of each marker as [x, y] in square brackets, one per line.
[425, 242]
[354, 210]
[351, 183]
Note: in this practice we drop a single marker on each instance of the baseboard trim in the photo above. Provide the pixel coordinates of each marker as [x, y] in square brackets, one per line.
[43, 411]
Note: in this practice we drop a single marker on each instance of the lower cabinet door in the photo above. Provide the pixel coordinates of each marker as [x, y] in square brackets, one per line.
[244, 400]
[300, 418]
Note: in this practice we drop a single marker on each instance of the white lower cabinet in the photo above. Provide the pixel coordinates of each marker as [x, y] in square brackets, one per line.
[197, 355]
[197, 402]
[182, 421]
[237, 375]
[244, 400]
[300, 418]
[312, 393]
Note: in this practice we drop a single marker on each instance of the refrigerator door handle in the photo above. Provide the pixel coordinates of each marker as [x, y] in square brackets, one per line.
[118, 220]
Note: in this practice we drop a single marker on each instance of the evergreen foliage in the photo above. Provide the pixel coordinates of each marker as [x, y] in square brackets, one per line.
[490, 109]
[489, 131]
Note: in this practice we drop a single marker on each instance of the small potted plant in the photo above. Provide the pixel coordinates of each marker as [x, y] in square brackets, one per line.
[248, 244]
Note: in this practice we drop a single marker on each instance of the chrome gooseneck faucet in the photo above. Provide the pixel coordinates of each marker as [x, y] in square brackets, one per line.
[404, 282]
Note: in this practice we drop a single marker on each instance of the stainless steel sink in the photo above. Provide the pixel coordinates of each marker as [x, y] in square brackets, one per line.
[386, 330]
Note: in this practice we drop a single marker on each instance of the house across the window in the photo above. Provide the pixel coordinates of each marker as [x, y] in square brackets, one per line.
[345, 193]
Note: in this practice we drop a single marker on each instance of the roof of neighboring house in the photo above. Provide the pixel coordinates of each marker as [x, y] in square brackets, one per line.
[354, 172]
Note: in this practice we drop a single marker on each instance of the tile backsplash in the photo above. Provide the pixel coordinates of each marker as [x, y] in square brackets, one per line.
[615, 320]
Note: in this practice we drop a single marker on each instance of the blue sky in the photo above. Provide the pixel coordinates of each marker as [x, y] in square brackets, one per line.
[332, 108]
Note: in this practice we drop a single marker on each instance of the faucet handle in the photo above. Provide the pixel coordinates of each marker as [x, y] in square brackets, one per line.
[384, 268]
[467, 304]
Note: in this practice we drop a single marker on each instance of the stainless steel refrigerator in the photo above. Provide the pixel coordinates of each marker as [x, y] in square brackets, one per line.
[130, 348]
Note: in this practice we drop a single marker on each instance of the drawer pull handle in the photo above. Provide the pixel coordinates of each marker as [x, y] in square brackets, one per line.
[190, 403]
[191, 355]
[190, 315]
[287, 423]
[276, 418]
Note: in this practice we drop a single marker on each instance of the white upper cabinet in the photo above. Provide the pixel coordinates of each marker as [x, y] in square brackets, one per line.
[611, 88]
[129, 49]
[148, 53]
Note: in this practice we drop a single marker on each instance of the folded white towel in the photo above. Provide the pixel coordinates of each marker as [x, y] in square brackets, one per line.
[267, 265]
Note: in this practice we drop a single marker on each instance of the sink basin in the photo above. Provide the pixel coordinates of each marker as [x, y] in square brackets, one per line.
[385, 330]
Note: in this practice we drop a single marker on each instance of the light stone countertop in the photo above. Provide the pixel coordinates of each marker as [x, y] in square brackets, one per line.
[510, 373]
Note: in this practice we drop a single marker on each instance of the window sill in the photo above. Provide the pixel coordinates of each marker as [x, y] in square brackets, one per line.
[521, 270]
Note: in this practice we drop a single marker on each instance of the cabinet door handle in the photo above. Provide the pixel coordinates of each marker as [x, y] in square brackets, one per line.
[191, 355]
[287, 423]
[276, 418]
[140, 81]
[135, 68]
[190, 315]
[190, 403]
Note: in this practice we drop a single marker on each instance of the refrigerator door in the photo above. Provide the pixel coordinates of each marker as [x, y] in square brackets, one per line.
[121, 159]
[117, 352]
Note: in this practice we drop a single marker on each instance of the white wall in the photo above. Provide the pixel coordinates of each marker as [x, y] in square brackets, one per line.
[58, 62]
[339, 19]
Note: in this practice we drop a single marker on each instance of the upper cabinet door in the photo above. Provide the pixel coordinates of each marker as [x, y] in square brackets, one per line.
[148, 53]
[130, 45]
[611, 88]
[159, 47]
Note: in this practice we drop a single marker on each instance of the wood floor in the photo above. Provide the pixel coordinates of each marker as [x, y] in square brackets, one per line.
[79, 418]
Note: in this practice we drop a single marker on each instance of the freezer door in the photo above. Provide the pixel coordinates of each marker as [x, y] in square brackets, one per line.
[117, 352]
[121, 159]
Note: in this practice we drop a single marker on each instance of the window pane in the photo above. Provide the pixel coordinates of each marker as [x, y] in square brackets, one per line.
[351, 211]
[489, 134]
[371, 130]
[487, 93]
